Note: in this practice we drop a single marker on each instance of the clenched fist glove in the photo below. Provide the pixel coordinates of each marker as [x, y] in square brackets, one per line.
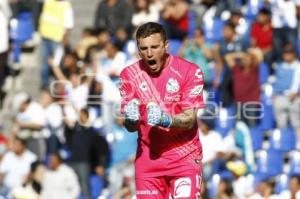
[132, 111]
[157, 117]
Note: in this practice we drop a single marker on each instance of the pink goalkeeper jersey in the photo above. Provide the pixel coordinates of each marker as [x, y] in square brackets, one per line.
[178, 87]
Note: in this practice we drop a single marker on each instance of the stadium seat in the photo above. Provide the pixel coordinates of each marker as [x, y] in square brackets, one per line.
[96, 185]
[281, 183]
[267, 122]
[264, 72]
[213, 30]
[192, 23]
[21, 30]
[252, 8]
[225, 120]
[294, 163]
[269, 163]
[257, 137]
[283, 139]
[213, 185]
[174, 46]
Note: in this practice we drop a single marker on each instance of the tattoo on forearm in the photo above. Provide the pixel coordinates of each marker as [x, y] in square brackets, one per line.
[183, 121]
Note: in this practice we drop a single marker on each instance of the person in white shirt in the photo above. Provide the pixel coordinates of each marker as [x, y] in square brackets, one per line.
[284, 23]
[265, 189]
[60, 181]
[15, 164]
[211, 143]
[145, 11]
[29, 123]
[294, 189]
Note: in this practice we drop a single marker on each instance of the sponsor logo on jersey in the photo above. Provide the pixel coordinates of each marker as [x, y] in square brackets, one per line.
[172, 98]
[172, 86]
[182, 188]
[198, 74]
[197, 90]
[143, 86]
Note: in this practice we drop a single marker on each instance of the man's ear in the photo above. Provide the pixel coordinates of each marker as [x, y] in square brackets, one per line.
[167, 45]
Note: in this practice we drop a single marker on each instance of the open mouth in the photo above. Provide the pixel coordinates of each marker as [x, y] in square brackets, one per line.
[151, 62]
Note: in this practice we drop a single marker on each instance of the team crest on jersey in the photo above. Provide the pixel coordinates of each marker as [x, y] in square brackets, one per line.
[172, 86]
[143, 86]
[197, 90]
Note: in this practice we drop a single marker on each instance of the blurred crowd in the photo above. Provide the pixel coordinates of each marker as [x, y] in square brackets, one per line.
[70, 141]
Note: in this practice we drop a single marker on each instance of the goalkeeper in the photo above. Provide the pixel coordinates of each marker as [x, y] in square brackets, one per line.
[161, 94]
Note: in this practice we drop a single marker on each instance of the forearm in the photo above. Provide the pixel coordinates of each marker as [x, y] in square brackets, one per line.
[185, 120]
[31, 126]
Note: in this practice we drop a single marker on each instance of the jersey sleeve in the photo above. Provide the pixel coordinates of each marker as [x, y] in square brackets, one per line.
[192, 91]
[127, 89]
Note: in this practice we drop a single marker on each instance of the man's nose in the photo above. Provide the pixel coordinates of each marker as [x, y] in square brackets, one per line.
[149, 52]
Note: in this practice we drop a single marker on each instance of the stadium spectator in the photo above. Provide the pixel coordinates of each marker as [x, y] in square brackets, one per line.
[176, 18]
[225, 190]
[115, 16]
[223, 76]
[241, 26]
[241, 183]
[5, 14]
[55, 23]
[76, 84]
[211, 143]
[246, 87]
[293, 190]
[56, 109]
[286, 89]
[32, 187]
[113, 62]
[30, 121]
[223, 6]
[265, 189]
[284, 23]
[144, 11]
[60, 180]
[15, 165]
[198, 51]
[123, 148]
[168, 142]
[262, 34]
[83, 145]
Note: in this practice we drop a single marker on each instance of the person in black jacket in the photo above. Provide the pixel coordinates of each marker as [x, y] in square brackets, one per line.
[89, 151]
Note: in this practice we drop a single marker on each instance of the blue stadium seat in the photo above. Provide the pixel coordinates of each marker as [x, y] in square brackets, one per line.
[281, 183]
[257, 137]
[96, 185]
[294, 163]
[264, 72]
[174, 46]
[21, 30]
[269, 163]
[214, 30]
[192, 23]
[283, 139]
[267, 122]
[252, 8]
[22, 27]
[225, 120]
[213, 185]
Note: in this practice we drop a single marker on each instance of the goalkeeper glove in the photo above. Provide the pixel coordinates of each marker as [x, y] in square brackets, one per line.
[132, 111]
[157, 117]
